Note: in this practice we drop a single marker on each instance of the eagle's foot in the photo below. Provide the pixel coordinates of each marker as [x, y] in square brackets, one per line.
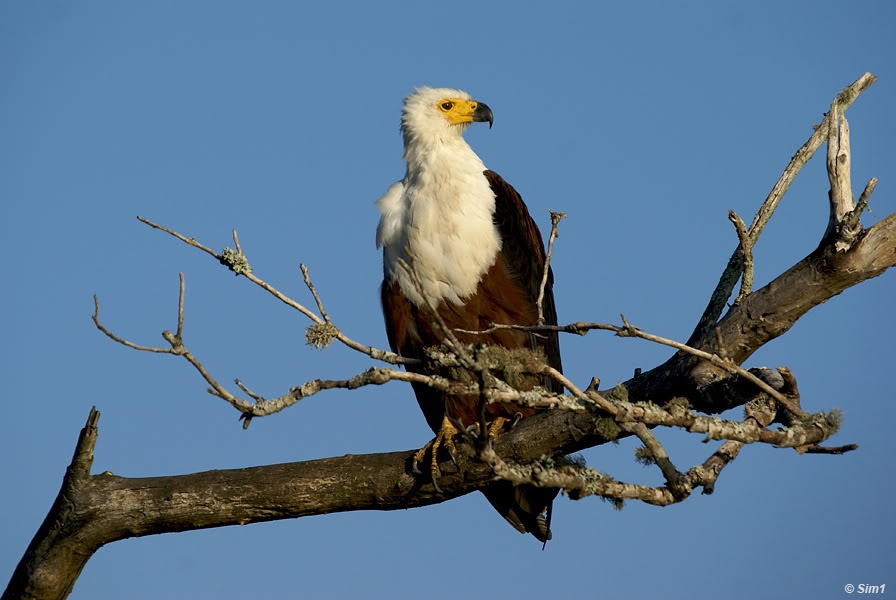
[496, 425]
[444, 439]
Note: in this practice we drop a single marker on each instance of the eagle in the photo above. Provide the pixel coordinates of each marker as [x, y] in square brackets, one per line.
[458, 240]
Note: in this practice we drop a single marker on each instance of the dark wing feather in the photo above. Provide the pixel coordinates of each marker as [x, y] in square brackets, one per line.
[507, 293]
[524, 256]
[522, 248]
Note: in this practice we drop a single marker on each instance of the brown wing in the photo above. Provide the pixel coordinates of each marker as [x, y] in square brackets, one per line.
[527, 508]
[507, 293]
[499, 298]
[524, 255]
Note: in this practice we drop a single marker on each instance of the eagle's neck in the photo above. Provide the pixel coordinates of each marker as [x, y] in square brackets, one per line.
[440, 220]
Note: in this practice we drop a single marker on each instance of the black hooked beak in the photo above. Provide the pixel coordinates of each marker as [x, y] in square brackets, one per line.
[483, 113]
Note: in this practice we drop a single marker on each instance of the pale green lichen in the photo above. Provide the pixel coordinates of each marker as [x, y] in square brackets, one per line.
[513, 366]
[592, 481]
[620, 392]
[320, 335]
[678, 406]
[235, 261]
[618, 503]
[834, 418]
[607, 428]
[847, 96]
[644, 456]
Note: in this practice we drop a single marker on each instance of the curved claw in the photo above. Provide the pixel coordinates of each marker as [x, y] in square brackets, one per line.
[496, 426]
[451, 452]
[443, 439]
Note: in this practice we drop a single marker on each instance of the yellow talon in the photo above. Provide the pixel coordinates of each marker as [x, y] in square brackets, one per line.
[444, 439]
[496, 426]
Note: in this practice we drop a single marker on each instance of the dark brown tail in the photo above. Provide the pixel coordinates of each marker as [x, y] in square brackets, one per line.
[527, 508]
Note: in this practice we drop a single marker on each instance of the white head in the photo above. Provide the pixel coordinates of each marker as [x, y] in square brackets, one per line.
[440, 216]
[433, 115]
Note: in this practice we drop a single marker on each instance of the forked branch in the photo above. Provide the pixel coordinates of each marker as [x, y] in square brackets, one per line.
[734, 268]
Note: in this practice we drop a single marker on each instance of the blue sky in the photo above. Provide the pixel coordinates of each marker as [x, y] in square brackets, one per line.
[645, 122]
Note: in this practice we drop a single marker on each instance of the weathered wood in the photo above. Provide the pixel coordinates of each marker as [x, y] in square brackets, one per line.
[91, 511]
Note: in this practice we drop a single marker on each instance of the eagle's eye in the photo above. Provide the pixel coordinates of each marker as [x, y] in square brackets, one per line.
[447, 105]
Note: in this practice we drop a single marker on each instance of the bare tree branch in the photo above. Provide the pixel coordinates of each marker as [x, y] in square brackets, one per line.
[838, 166]
[96, 320]
[373, 376]
[627, 330]
[555, 220]
[676, 482]
[320, 306]
[733, 270]
[746, 250]
[244, 270]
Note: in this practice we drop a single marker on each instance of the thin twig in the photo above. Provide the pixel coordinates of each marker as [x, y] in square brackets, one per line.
[581, 328]
[320, 305]
[676, 482]
[180, 308]
[186, 240]
[555, 220]
[578, 328]
[851, 222]
[723, 351]
[236, 242]
[709, 471]
[816, 449]
[812, 429]
[177, 348]
[746, 248]
[122, 341]
[381, 375]
[248, 392]
[865, 197]
[591, 397]
[375, 353]
[715, 359]
[217, 389]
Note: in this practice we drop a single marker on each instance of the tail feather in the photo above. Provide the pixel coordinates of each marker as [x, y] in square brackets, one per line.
[527, 508]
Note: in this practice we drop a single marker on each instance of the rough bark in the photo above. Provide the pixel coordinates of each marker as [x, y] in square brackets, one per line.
[764, 315]
[93, 510]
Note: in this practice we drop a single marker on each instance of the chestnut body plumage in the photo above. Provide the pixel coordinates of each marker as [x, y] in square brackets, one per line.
[477, 258]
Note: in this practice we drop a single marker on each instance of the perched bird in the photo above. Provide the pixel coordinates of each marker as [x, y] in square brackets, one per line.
[458, 240]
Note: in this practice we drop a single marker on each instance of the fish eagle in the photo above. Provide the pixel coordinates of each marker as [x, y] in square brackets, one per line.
[457, 239]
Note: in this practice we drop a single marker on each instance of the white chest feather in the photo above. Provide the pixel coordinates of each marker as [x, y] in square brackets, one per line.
[439, 219]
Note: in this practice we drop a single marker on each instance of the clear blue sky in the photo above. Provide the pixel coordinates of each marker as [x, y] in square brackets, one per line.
[645, 123]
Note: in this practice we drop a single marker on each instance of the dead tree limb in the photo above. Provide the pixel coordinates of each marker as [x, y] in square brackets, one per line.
[93, 510]
[734, 268]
